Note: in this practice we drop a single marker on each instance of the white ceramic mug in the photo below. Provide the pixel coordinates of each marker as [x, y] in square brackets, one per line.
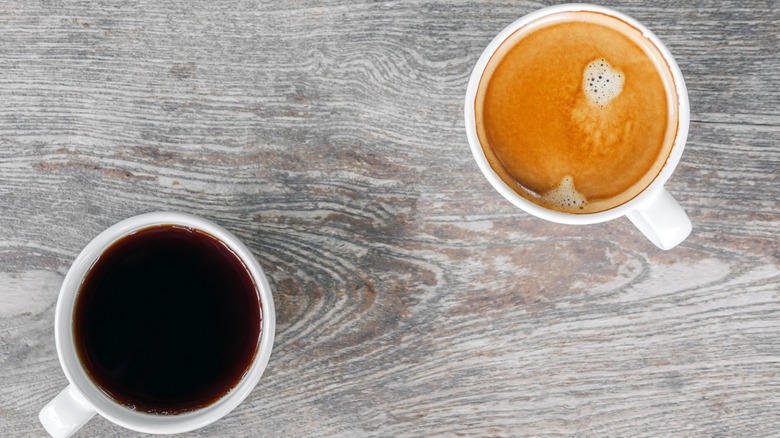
[654, 211]
[81, 400]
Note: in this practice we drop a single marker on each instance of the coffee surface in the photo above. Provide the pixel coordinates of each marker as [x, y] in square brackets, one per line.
[167, 320]
[573, 115]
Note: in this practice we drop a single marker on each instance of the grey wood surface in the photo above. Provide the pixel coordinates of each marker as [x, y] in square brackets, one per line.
[412, 299]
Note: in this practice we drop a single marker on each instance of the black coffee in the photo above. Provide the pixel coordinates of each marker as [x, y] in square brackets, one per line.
[167, 320]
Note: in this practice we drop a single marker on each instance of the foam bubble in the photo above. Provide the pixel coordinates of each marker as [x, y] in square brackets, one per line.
[601, 82]
[565, 196]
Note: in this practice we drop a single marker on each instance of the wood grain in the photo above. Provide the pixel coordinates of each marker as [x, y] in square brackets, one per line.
[412, 299]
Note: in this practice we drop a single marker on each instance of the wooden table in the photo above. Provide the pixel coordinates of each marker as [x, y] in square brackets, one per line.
[412, 300]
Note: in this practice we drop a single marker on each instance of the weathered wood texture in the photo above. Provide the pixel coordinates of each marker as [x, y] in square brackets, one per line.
[412, 299]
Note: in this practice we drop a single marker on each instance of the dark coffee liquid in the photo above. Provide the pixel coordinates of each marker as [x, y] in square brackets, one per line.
[167, 320]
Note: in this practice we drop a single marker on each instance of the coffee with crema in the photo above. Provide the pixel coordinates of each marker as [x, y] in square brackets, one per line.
[577, 112]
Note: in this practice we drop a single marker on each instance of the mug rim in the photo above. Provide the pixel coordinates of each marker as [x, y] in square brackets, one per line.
[649, 192]
[102, 403]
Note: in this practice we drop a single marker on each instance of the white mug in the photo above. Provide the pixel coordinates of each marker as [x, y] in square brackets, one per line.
[654, 211]
[81, 400]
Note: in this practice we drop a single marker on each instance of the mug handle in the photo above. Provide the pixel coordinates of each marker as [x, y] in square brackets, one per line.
[662, 220]
[66, 413]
